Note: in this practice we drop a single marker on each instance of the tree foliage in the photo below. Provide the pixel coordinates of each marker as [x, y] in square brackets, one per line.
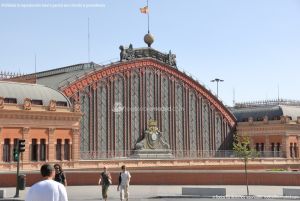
[242, 149]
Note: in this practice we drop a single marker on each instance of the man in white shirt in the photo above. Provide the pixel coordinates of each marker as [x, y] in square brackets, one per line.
[124, 180]
[48, 189]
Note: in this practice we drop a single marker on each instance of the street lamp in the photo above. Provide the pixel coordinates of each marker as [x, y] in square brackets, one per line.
[217, 80]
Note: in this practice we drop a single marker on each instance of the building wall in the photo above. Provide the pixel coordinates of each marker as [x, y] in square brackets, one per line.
[50, 136]
[172, 176]
[284, 132]
[117, 107]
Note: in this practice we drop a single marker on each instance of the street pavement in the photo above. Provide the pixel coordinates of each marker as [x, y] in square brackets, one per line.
[164, 192]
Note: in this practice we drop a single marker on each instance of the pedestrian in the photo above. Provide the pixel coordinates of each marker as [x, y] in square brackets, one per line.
[105, 180]
[124, 180]
[60, 175]
[48, 189]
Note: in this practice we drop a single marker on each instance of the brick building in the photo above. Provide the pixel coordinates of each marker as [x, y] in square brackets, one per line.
[144, 84]
[41, 116]
[273, 127]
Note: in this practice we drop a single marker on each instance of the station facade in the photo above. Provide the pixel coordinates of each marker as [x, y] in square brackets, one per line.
[87, 115]
[119, 99]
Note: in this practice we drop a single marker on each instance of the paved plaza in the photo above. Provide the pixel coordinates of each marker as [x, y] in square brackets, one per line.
[163, 192]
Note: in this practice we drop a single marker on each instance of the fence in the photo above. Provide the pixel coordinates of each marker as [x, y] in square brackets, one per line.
[176, 154]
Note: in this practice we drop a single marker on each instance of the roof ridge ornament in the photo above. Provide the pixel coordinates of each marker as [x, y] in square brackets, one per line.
[127, 54]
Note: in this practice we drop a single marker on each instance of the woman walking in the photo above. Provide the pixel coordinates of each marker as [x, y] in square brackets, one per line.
[105, 180]
[60, 175]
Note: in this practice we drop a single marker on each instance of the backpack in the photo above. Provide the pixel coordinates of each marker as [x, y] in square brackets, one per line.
[120, 178]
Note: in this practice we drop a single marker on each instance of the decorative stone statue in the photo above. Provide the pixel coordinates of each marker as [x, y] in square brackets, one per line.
[123, 54]
[130, 53]
[153, 144]
[52, 105]
[126, 54]
[171, 60]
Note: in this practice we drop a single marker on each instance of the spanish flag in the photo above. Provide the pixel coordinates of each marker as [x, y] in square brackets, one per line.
[144, 10]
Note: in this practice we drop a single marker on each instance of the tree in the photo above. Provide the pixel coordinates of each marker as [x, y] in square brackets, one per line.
[241, 147]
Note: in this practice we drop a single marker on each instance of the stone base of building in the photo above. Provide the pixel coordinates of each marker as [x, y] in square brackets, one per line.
[153, 154]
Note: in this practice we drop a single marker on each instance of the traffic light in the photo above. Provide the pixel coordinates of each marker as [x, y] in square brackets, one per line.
[16, 154]
[21, 146]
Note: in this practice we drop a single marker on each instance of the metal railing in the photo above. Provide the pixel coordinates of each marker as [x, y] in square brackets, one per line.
[176, 154]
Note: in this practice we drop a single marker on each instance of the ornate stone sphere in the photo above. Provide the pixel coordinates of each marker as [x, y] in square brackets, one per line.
[149, 39]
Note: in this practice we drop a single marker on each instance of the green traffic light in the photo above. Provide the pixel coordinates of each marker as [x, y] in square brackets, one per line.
[16, 155]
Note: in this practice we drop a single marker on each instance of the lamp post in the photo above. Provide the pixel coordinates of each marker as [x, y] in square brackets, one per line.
[217, 80]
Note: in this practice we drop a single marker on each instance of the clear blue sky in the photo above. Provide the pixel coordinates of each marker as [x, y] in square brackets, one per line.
[254, 45]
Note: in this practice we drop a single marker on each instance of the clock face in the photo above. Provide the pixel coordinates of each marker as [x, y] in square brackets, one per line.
[154, 136]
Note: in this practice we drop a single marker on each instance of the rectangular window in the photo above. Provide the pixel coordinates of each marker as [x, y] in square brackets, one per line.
[6, 150]
[291, 150]
[10, 100]
[34, 150]
[273, 149]
[262, 148]
[43, 150]
[67, 150]
[61, 104]
[36, 102]
[58, 150]
[295, 150]
[15, 148]
[278, 149]
[257, 147]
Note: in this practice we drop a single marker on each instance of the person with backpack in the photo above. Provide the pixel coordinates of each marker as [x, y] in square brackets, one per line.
[105, 180]
[60, 175]
[124, 180]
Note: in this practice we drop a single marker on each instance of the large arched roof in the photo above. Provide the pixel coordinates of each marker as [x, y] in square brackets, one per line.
[20, 91]
[125, 66]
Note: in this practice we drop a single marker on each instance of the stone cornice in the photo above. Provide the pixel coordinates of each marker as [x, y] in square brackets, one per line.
[87, 80]
[40, 115]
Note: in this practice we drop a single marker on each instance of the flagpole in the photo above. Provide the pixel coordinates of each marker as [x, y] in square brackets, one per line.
[148, 16]
[89, 48]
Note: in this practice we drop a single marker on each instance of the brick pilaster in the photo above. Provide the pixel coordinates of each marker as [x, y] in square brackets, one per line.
[62, 150]
[286, 146]
[51, 144]
[26, 137]
[268, 149]
[75, 145]
[38, 149]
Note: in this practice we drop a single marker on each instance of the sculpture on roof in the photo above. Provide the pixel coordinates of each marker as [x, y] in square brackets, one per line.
[127, 54]
[123, 53]
[171, 59]
[52, 105]
[27, 104]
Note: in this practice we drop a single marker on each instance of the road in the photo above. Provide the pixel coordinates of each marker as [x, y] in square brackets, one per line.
[167, 193]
